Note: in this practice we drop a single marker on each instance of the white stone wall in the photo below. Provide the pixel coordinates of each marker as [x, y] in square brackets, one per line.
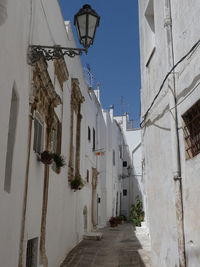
[157, 138]
[113, 175]
[133, 178]
[41, 23]
[14, 73]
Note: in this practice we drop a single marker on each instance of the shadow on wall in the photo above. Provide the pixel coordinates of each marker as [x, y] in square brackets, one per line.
[3, 11]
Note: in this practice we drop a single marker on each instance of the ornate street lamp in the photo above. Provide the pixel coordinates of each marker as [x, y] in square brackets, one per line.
[86, 22]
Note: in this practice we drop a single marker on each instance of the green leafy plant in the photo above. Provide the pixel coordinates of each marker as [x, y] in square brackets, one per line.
[137, 213]
[59, 160]
[77, 183]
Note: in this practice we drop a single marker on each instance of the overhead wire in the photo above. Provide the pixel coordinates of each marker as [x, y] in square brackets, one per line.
[166, 77]
[186, 96]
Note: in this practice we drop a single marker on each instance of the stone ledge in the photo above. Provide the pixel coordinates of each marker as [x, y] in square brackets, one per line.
[93, 236]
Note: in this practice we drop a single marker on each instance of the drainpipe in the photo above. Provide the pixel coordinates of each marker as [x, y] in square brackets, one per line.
[21, 246]
[176, 157]
[43, 254]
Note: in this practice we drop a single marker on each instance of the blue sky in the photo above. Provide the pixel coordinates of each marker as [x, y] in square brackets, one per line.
[114, 56]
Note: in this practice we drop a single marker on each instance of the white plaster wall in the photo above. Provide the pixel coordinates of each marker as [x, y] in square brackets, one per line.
[41, 22]
[133, 183]
[188, 92]
[157, 137]
[13, 70]
[112, 180]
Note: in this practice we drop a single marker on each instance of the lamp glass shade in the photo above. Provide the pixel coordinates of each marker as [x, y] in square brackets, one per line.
[86, 22]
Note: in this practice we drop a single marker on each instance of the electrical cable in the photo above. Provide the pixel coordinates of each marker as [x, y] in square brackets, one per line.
[162, 85]
[186, 96]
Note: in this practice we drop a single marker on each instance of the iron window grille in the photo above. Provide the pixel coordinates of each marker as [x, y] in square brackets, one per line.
[191, 130]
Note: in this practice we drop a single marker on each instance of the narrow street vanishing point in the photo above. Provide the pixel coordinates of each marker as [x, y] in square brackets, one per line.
[119, 247]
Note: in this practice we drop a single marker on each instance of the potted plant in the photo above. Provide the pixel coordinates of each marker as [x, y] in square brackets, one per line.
[113, 222]
[59, 160]
[137, 213]
[46, 157]
[77, 183]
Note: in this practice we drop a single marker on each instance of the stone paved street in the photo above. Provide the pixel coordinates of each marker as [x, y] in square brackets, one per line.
[120, 247]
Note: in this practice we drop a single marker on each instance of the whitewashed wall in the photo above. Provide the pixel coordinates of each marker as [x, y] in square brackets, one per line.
[13, 73]
[41, 23]
[133, 179]
[157, 133]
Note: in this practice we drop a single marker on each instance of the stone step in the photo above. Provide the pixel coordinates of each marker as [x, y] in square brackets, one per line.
[93, 236]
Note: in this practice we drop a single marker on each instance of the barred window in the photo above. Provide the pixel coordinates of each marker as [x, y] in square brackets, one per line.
[192, 130]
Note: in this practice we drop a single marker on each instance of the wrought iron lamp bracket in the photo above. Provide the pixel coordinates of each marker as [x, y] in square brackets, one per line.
[35, 52]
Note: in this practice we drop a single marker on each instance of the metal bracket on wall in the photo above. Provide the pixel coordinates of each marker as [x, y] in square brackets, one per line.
[35, 52]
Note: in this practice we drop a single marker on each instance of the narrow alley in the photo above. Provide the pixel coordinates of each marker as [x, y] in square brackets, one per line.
[122, 246]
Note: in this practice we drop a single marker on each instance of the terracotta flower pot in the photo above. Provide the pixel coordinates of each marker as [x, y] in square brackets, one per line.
[46, 157]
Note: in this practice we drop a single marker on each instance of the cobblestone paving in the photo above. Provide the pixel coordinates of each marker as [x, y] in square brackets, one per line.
[119, 247]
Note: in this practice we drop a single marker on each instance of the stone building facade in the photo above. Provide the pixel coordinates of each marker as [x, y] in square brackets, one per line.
[169, 45]
[46, 106]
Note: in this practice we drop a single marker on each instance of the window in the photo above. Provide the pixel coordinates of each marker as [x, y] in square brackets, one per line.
[114, 157]
[124, 163]
[88, 176]
[31, 252]
[191, 130]
[89, 134]
[124, 192]
[38, 132]
[11, 140]
[94, 141]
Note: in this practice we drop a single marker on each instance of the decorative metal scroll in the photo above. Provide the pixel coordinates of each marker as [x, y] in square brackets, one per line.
[52, 52]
